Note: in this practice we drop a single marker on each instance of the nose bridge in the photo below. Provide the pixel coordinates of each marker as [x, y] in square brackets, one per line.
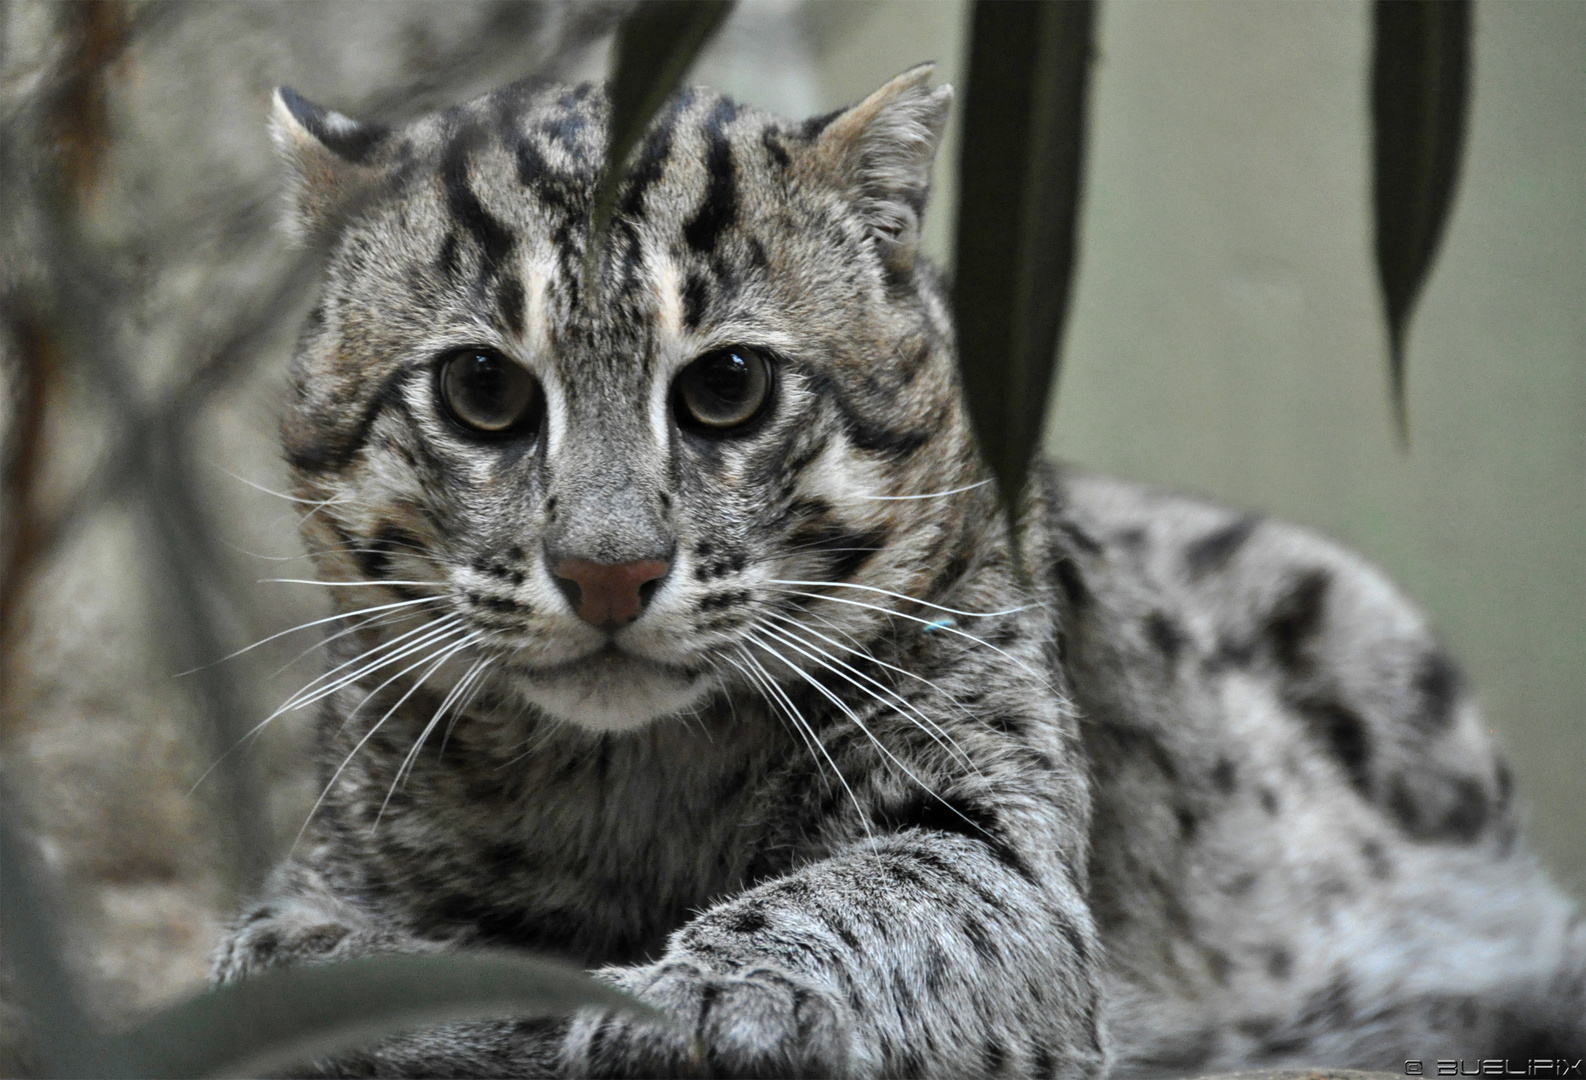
[606, 499]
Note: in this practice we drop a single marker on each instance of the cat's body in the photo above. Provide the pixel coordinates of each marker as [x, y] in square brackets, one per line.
[747, 705]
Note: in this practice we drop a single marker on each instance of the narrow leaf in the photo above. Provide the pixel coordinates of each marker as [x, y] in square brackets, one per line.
[655, 46]
[1420, 80]
[31, 946]
[1018, 207]
[287, 1016]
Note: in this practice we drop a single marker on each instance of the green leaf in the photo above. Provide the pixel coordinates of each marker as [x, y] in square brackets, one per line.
[286, 1016]
[1018, 206]
[655, 47]
[31, 946]
[1420, 92]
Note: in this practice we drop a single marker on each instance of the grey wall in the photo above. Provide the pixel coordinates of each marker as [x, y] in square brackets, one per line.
[1226, 337]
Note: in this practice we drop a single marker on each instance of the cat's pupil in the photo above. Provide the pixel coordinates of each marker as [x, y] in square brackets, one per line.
[485, 391]
[724, 388]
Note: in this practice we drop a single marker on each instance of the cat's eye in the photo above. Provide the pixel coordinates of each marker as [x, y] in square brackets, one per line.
[485, 391]
[723, 389]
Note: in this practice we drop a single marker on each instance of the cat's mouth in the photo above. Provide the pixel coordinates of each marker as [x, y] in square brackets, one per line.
[609, 689]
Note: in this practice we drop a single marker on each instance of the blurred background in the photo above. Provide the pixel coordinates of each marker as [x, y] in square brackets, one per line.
[1225, 337]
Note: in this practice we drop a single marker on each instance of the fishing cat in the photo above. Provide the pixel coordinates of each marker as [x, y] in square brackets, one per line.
[684, 642]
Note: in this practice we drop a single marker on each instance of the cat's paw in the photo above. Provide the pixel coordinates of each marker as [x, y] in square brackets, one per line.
[296, 931]
[757, 1022]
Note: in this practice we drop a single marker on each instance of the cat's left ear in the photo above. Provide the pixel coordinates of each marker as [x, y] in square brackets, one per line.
[333, 159]
[880, 151]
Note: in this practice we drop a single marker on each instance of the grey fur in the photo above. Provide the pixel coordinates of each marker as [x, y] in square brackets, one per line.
[846, 827]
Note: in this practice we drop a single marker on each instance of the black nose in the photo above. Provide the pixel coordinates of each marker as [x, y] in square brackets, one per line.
[609, 595]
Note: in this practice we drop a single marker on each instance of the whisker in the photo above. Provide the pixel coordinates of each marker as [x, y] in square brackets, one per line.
[307, 625]
[436, 629]
[842, 705]
[278, 494]
[905, 708]
[418, 744]
[797, 718]
[446, 652]
[344, 584]
[935, 625]
[905, 597]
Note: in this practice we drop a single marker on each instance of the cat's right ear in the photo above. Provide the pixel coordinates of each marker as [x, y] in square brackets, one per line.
[332, 158]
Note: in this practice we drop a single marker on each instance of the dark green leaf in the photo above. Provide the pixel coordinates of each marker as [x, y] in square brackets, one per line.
[655, 47]
[29, 942]
[1420, 79]
[287, 1016]
[1018, 205]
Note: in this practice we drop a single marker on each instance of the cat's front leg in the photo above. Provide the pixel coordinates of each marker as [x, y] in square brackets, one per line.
[298, 920]
[919, 954]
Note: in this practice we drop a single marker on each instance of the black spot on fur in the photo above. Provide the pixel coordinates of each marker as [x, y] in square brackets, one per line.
[1457, 811]
[1213, 551]
[1219, 966]
[1165, 635]
[979, 939]
[1344, 734]
[1332, 1007]
[958, 816]
[747, 922]
[1296, 618]
[720, 206]
[771, 139]
[812, 127]
[1187, 824]
[1225, 776]
[1280, 962]
[1436, 686]
[1269, 800]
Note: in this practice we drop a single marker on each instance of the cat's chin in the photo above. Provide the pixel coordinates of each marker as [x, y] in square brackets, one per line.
[612, 691]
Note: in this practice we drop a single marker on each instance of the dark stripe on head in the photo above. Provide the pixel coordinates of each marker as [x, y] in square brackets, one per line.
[495, 240]
[1455, 810]
[509, 305]
[694, 297]
[720, 207]
[1212, 551]
[652, 156]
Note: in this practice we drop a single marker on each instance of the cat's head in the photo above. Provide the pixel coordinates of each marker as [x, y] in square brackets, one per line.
[619, 482]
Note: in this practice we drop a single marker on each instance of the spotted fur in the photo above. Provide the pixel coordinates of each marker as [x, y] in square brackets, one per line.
[848, 798]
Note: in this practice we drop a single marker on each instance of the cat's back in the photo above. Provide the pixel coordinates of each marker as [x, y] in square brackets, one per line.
[1304, 837]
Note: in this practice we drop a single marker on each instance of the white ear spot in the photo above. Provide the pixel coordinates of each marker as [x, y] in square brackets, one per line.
[880, 151]
[331, 157]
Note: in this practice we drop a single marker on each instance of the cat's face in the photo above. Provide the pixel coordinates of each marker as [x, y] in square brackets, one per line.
[618, 484]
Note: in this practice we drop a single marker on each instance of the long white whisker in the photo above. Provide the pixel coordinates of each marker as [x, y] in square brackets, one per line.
[277, 494]
[797, 717]
[429, 634]
[1045, 679]
[418, 744]
[386, 619]
[316, 622]
[905, 708]
[905, 597]
[842, 705]
[340, 584]
[298, 700]
[446, 652]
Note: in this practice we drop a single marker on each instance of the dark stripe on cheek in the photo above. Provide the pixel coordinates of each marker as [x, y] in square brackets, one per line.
[720, 207]
[330, 454]
[845, 551]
